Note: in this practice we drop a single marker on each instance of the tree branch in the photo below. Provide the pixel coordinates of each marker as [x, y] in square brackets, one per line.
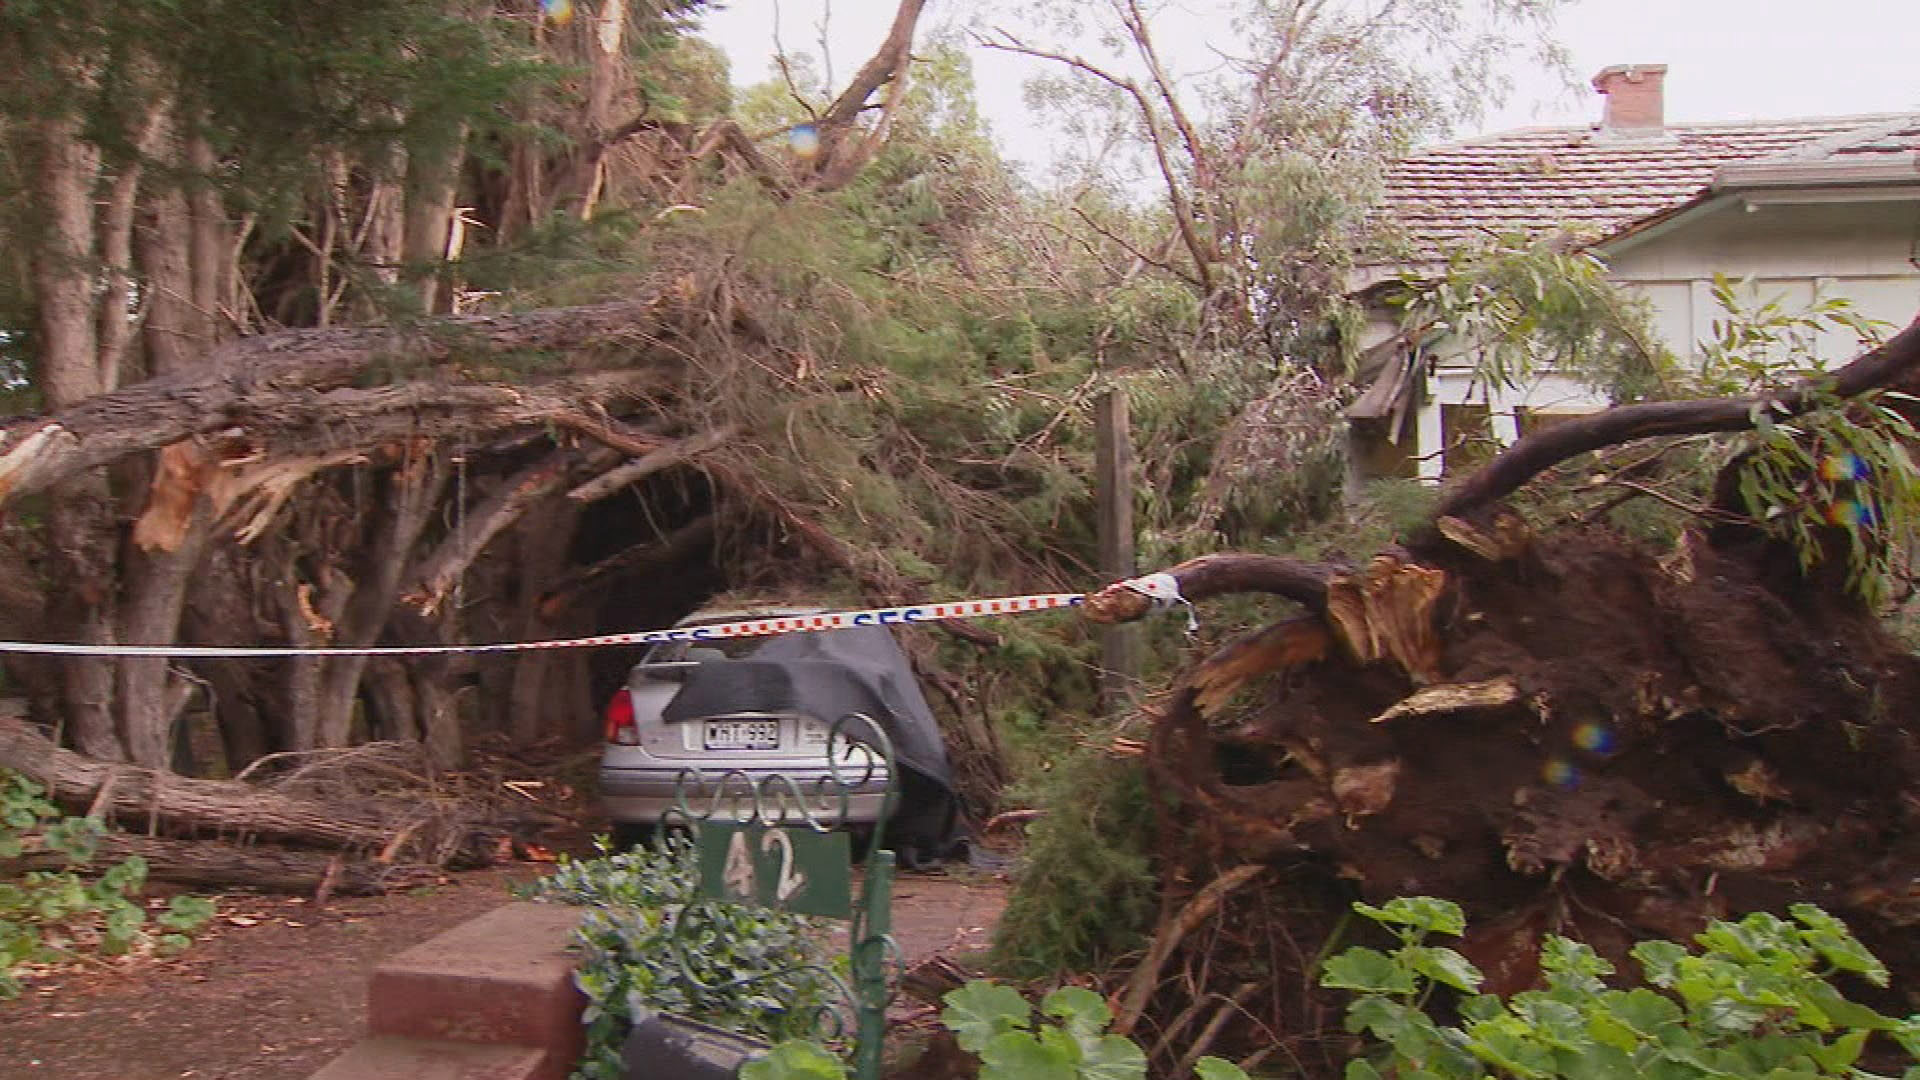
[664, 457]
[434, 577]
[1208, 576]
[262, 381]
[839, 161]
[886, 62]
[1183, 214]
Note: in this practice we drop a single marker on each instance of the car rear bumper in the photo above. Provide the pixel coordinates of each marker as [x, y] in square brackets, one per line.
[649, 796]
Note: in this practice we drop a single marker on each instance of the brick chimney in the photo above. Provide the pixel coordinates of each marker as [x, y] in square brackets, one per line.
[1636, 105]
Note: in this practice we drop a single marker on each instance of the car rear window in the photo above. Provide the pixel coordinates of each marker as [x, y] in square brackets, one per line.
[731, 648]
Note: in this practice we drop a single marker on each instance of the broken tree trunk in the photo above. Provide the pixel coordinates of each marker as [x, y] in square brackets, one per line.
[210, 864]
[303, 379]
[148, 800]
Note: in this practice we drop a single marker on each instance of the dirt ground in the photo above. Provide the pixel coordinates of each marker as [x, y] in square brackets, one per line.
[276, 987]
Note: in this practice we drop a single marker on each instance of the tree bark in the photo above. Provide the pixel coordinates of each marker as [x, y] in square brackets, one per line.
[209, 242]
[140, 797]
[1208, 576]
[253, 381]
[211, 864]
[220, 608]
[433, 182]
[79, 519]
[413, 491]
[534, 709]
[150, 610]
[175, 334]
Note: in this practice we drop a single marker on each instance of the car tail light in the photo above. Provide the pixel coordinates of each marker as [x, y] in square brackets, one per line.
[620, 726]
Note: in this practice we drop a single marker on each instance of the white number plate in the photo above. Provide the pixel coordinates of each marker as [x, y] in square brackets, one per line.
[743, 735]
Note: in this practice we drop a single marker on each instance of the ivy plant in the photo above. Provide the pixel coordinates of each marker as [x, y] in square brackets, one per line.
[1750, 999]
[648, 945]
[50, 916]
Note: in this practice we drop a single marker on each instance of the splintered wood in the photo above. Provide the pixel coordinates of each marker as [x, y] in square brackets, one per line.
[1387, 613]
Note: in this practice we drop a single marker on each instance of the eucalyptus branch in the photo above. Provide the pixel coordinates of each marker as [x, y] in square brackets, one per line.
[1183, 212]
[786, 68]
[1136, 25]
[1140, 256]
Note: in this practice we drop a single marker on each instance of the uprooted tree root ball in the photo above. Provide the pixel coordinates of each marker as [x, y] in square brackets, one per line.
[1564, 732]
[1593, 740]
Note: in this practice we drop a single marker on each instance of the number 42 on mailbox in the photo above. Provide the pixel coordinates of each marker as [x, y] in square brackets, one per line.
[800, 870]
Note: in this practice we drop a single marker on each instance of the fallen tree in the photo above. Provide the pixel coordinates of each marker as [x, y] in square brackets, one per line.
[1566, 733]
[355, 821]
[211, 864]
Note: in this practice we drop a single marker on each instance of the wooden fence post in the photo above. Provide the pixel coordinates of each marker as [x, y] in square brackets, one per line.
[1113, 493]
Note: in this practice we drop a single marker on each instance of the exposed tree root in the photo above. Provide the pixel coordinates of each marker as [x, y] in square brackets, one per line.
[1579, 736]
[1610, 750]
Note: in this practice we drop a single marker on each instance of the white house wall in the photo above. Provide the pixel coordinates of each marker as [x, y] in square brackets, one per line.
[1866, 252]
[1863, 251]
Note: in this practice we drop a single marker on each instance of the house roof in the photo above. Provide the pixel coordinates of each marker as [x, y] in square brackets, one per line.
[1594, 183]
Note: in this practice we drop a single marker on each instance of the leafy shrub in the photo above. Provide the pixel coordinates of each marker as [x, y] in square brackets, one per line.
[1086, 893]
[1066, 1040]
[648, 946]
[1753, 1001]
[53, 915]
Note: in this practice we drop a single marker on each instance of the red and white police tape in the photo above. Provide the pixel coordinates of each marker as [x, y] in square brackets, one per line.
[763, 627]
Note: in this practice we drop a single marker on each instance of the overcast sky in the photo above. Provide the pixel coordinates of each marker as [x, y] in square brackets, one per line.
[1727, 59]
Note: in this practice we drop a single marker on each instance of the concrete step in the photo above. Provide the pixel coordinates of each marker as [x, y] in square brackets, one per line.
[387, 1057]
[504, 978]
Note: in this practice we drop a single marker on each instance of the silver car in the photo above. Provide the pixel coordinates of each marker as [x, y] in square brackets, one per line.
[715, 763]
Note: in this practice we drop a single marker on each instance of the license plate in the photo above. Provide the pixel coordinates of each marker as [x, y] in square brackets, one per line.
[743, 735]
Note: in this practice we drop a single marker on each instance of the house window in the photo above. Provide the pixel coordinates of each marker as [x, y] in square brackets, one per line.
[1466, 433]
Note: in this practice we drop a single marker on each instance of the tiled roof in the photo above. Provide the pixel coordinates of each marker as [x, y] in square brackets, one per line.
[1898, 138]
[1593, 184]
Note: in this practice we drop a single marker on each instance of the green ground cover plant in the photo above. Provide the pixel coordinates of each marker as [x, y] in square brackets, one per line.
[648, 944]
[1065, 1038]
[1752, 999]
[79, 909]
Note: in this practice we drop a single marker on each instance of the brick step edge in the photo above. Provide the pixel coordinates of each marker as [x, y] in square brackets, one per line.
[504, 978]
[387, 1057]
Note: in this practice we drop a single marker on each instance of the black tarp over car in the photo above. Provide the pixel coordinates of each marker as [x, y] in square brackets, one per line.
[832, 674]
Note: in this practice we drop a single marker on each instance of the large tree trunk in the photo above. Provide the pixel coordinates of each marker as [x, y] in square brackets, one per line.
[212, 864]
[147, 799]
[433, 188]
[177, 332]
[412, 491]
[289, 389]
[150, 696]
[537, 703]
[80, 514]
